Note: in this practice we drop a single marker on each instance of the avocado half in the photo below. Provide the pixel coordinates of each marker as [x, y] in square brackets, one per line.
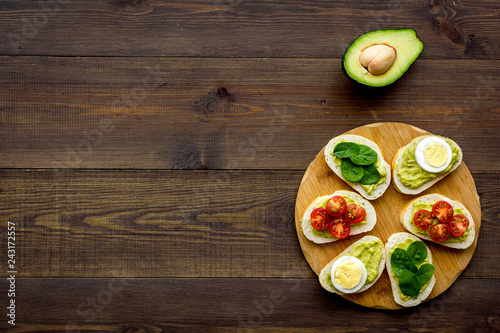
[404, 41]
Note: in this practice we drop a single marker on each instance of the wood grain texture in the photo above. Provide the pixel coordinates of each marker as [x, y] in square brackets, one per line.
[239, 28]
[198, 113]
[229, 305]
[128, 223]
[320, 180]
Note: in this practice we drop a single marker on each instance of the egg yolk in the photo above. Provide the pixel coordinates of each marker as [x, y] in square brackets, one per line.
[435, 155]
[348, 275]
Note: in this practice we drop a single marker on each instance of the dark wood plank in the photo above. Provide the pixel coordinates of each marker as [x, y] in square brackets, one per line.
[238, 28]
[242, 305]
[86, 223]
[178, 113]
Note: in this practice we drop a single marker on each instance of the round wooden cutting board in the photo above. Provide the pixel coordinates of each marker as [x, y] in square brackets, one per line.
[320, 180]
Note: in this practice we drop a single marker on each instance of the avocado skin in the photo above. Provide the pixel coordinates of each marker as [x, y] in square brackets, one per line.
[354, 42]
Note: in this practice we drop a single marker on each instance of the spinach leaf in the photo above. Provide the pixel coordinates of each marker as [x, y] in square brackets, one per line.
[400, 261]
[351, 172]
[346, 149]
[425, 273]
[365, 156]
[418, 252]
[409, 284]
[371, 175]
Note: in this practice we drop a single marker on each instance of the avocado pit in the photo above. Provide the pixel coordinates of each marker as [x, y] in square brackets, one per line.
[378, 58]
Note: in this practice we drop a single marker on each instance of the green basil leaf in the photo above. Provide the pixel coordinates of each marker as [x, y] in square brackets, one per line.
[409, 284]
[371, 175]
[351, 172]
[425, 273]
[400, 261]
[365, 156]
[418, 252]
[346, 149]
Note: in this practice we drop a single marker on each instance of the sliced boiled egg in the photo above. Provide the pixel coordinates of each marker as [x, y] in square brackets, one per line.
[433, 154]
[348, 274]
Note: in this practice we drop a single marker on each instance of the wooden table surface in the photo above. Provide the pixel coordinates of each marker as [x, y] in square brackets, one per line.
[152, 152]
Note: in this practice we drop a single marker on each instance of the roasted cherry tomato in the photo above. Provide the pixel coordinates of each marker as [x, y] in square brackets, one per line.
[336, 206]
[440, 232]
[458, 225]
[423, 219]
[320, 219]
[443, 211]
[340, 228]
[355, 213]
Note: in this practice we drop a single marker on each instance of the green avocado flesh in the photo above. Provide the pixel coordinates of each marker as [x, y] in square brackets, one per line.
[406, 43]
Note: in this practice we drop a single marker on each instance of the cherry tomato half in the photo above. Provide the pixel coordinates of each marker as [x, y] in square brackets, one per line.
[440, 232]
[423, 219]
[443, 211]
[336, 206]
[355, 213]
[340, 228]
[320, 219]
[458, 225]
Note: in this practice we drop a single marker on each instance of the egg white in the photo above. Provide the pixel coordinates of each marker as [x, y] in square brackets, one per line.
[420, 150]
[361, 267]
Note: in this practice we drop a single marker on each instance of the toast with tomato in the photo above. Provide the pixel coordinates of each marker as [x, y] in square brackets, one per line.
[410, 268]
[371, 242]
[336, 216]
[410, 160]
[360, 163]
[439, 219]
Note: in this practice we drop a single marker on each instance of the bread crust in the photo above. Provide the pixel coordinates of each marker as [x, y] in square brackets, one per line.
[406, 215]
[393, 240]
[398, 159]
[329, 158]
[324, 272]
[371, 216]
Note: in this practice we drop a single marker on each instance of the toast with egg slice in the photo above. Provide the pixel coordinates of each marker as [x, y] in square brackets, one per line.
[392, 242]
[406, 217]
[367, 225]
[325, 274]
[330, 160]
[397, 163]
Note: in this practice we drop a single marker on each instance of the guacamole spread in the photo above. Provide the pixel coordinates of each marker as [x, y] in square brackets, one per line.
[381, 170]
[428, 206]
[370, 254]
[326, 233]
[404, 245]
[410, 173]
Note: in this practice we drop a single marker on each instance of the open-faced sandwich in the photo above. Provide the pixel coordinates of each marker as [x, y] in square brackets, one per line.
[423, 162]
[336, 216]
[360, 163]
[410, 268]
[437, 218]
[356, 269]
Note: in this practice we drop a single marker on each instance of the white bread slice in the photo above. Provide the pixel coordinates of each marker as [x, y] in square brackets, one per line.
[393, 240]
[398, 159]
[323, 275]
[329, 158]
[406, 215]
[371, 216]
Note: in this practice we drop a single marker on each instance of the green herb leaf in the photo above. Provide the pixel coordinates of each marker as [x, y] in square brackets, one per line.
[400, 261]
[418, 252]
[425, 273]
[365, 156]
[350, 171]
[371, 175]
[409, 284]
[346, 149]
